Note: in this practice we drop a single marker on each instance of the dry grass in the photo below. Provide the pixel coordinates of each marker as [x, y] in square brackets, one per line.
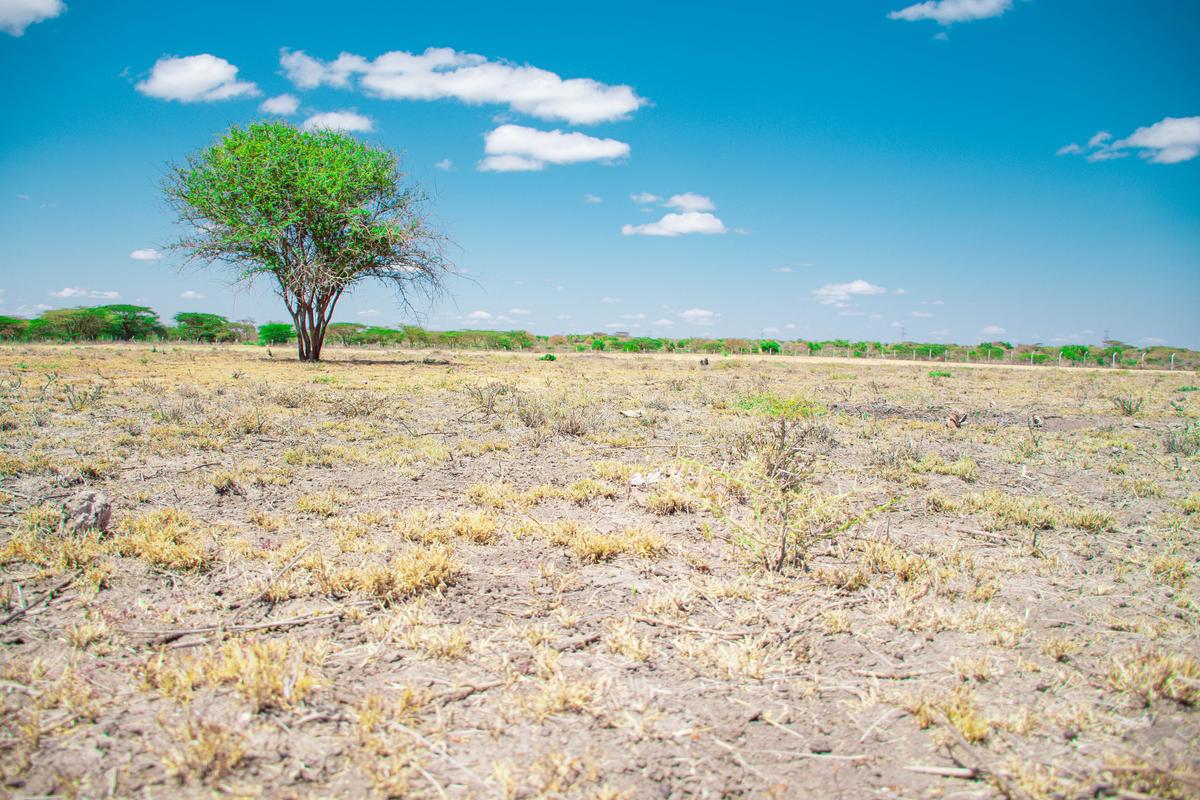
[500, 577]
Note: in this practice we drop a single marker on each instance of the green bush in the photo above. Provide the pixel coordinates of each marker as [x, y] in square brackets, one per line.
[548, 357]
[275, 333]
[939, 373]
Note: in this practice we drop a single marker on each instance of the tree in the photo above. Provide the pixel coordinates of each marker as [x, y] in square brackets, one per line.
[313, 212]
[76, 323]
[12, 327]
[345, 332]
[197, 327]
[131, 322]
[769, 346]
[275, 333]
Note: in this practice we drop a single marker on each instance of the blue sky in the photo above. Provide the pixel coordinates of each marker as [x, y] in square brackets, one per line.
[959, 170]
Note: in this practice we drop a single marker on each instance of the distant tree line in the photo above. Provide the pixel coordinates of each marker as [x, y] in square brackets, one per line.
[139, 323]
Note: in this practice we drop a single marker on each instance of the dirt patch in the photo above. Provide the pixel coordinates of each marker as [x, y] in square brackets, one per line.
[601, 577]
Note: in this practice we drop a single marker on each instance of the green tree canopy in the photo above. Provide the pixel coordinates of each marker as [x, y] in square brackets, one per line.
[198, 327]
[12, 327]
[313, 212]
[275, 333]
[131, 322]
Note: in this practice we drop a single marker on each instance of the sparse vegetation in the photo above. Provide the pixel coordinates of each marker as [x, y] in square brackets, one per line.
[481, 578]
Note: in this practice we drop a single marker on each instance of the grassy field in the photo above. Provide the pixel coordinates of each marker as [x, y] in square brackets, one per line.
[453, 575]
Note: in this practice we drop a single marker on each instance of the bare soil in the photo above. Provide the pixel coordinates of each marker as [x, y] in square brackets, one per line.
[467, 575]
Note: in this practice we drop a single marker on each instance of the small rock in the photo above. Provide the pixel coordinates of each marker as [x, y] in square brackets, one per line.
[86, 510]
[632, 413]
[638, 479]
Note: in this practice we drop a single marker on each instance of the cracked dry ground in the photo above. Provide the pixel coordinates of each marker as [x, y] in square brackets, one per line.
[462, 575]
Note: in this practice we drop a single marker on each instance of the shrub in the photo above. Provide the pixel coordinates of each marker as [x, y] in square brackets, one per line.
[939, 373]
[275, 333]
[1128, 405]
[548, 357]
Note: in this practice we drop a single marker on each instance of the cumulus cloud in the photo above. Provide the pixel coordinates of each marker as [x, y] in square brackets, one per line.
[445, 165]
[281, 105]
[922, 314]
[17, 15]
[644, 198]
[191, 294]
[1172, 140]
[75, 291]
[479, 315]
[698, 316]
[838, 294]
[690, 201]
[993, 330]
[346, 121]
[678, 225]
[191, 79]
[145, 254]
[592, 199]
[515, 148]
[663, 323]
[899, 292]
[608, 300]
[445, 73]
[948, 12]
[520, 312]
[781, 269]
[370, 312]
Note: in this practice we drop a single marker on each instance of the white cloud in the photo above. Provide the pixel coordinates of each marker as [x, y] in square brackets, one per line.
[837, 294]
[283, 105]
[690, 201]
[607, 299]
[479, 315]
[191, 294]
[947, 12]
[520, 312]
[191, 79]
[515, 148]
[22, 197]
[899, 292]
[644, 198]
[445, 165]
[441, 72]
[1171, 140]
[993, 330]
[564, 316]
[592, 199]
[633, 316]
[370, 312]
[922, 314]
[663, 323]
[17, 15]
[346, 121]
[781, 269]
[677, 225]
[145, 254]
[70, 292]
[700, 316]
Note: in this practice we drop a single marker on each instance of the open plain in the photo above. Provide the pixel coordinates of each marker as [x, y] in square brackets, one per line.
[418, 574]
